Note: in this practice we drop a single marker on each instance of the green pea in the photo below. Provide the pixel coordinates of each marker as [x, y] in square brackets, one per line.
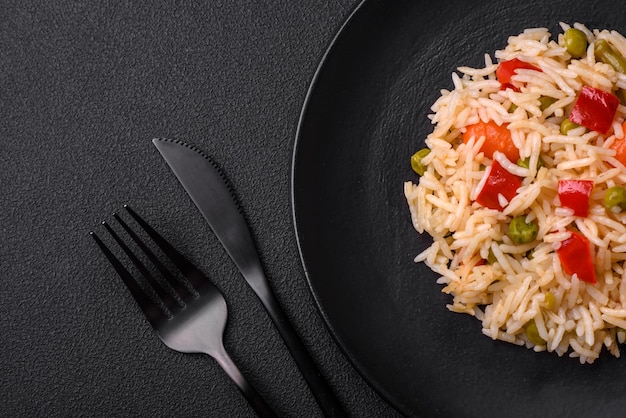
[575, 42]
[549, 301]
[525, 163]
[607, 55]
[614, 197]
[546, 102]
[416, 161]
[567, 125]
[522, 232]
[533, 333]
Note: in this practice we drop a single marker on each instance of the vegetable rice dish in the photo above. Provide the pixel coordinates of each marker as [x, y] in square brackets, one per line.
[522, 187]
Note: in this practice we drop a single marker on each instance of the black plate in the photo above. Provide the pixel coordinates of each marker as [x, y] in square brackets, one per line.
[365, 114]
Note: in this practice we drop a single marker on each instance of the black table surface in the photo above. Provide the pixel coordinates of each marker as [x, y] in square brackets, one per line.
[84, 87]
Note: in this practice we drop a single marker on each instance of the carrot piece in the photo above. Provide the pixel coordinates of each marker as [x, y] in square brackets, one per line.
[619, 145]
[497, 138]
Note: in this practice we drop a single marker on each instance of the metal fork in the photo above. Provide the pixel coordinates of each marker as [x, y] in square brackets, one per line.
[193, 321]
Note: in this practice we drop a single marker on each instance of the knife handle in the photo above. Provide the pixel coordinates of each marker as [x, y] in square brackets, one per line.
[322, 392]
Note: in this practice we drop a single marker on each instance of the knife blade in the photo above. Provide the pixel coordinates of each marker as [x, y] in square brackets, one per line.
[211, 194]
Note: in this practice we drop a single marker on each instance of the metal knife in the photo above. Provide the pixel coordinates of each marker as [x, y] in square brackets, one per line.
[208, 189]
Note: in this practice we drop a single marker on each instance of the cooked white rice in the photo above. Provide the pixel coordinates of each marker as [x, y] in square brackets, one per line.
[509, 293]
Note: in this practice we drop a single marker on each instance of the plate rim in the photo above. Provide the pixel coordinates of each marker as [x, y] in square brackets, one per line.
[370, 377]
[313, 85]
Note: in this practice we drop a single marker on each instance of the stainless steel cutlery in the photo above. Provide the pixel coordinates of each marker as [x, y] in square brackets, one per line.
[211, 193]
[189, 316]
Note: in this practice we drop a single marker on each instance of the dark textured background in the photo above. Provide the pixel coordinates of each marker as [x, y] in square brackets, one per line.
[84, 86]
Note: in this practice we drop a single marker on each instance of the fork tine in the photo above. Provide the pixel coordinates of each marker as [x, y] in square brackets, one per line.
[152, 312]
[182, 291]
[169, 302]
[193, 274]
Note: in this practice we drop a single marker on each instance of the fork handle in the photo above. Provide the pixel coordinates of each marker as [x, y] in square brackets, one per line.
[252, 396]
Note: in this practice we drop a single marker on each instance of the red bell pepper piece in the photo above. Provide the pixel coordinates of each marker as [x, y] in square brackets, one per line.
[574, 194]
[499, 181]
[509, 86]
[575, 256]
[497, 138]
[507, 69]
[595, 109]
